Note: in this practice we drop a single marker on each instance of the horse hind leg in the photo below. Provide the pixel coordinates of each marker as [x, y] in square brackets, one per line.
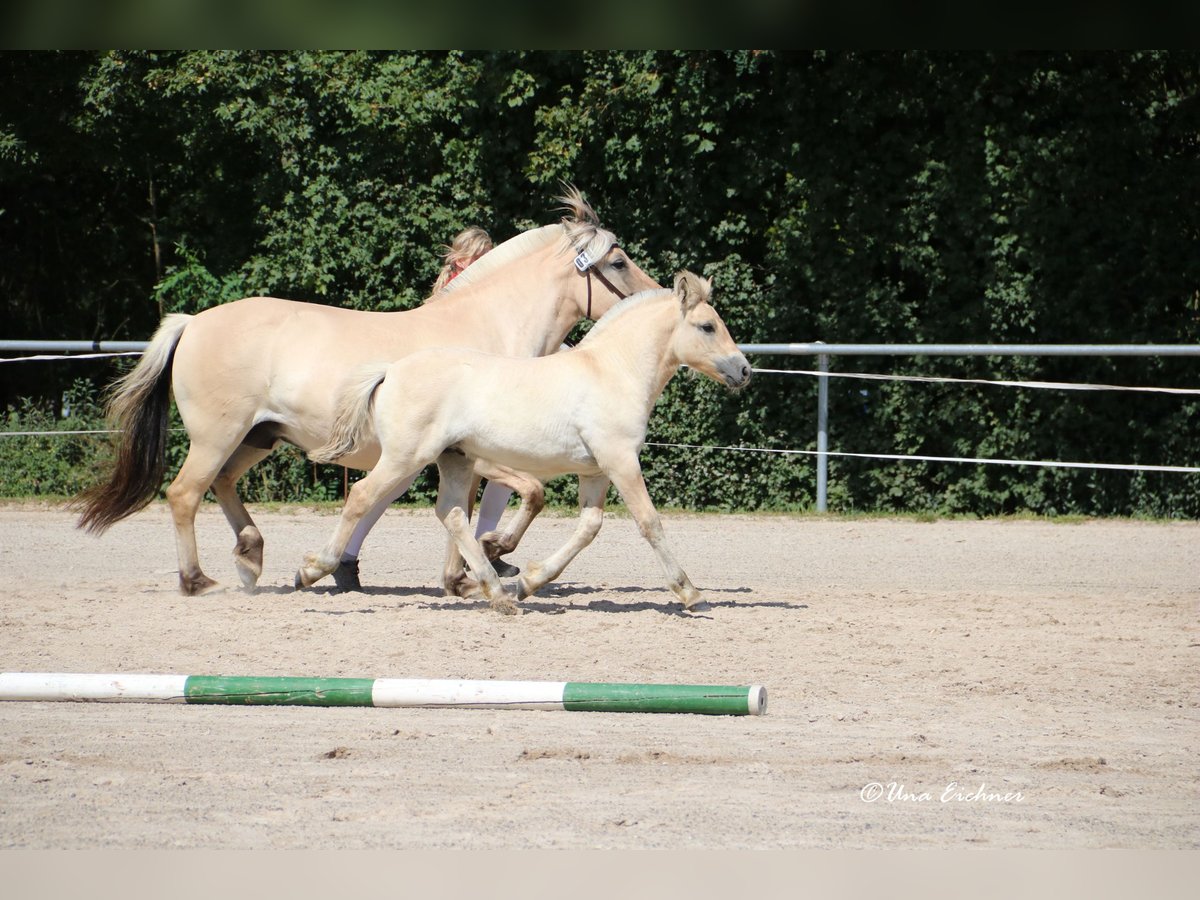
[454, 481]
[380, 483]
[248, 551]
[592, 490]
[456, 579]
[184, 495]
[495, 544]
[533, 501]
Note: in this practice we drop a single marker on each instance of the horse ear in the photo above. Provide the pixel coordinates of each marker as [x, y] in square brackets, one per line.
[692, 290]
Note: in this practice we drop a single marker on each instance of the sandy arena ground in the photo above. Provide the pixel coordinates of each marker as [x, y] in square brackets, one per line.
[908, 664]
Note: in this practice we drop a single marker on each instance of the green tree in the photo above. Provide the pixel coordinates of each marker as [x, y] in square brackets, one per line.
[847, 197]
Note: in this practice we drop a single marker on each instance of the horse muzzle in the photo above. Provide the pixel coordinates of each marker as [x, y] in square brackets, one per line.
[735, 371]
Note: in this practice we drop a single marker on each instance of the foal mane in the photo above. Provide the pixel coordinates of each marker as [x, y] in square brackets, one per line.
[686, 283]
[642, 298]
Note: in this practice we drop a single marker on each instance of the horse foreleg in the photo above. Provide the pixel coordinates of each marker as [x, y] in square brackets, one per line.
[248, 551]
[627, 476]
[454, 481]
[592, 490]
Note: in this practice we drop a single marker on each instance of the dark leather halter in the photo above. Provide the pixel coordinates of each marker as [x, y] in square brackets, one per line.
[585, 264]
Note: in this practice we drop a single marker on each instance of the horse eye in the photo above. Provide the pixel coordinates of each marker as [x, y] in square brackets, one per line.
[708, 328]
[618, 263]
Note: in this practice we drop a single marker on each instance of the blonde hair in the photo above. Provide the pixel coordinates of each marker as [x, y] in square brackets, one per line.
[470, 244]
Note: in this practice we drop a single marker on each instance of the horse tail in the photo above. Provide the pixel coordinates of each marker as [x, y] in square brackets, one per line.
[138, 405]
[352, 418]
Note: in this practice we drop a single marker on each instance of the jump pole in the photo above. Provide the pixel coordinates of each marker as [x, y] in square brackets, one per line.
[573, 696]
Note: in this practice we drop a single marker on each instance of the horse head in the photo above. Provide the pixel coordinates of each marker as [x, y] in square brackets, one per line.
[598, 258]
[701, 341]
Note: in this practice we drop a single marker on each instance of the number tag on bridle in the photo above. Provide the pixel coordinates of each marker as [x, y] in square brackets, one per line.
[583, 261]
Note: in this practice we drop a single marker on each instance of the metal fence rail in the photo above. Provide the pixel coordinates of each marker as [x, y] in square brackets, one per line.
[73, 346]
[823, 352]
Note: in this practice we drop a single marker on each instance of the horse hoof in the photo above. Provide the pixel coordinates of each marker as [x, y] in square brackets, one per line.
[247, 574]
[248, 556]
[505, 569]
[195, 585]
[494, 545]
[698, 607]
[463, 586]
[346, 576]
[305, 579]
[505, 606]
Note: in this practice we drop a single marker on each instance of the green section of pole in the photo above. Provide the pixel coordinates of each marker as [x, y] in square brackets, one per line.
[278, 691]
[713, 700]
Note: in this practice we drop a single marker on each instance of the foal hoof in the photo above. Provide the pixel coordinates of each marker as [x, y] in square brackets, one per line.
[462, 585]
[504, 605]
[195, 585]
[313, 569]
[248, 573]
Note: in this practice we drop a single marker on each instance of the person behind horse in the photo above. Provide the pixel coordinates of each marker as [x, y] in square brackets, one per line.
[467, 246]
[470, 244]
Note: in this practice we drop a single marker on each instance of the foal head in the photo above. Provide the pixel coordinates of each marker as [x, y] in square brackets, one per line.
[701, 341]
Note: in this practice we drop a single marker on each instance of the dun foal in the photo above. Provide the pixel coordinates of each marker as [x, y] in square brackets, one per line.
[582, 412]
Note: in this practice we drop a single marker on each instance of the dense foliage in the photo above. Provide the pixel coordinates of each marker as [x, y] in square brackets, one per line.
[846, 197]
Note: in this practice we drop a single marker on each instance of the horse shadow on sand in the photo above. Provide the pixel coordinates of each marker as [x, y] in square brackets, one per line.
[552, 600]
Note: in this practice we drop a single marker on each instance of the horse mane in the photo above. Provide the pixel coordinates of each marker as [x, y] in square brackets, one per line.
[579, 230]
[520, 245]
[641, 298]
[581, 225]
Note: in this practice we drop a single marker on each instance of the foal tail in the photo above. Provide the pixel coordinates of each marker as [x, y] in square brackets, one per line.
[352, 421]
[138, 405]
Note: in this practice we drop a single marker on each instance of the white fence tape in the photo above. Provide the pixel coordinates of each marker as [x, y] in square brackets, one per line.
[55, 433]
[932, 379]
[1045, 463]
[926, 379]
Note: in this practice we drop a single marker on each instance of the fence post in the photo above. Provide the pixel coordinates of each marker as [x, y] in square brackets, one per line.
[822, 432]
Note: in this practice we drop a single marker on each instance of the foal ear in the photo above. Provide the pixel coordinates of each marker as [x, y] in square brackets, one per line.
[692, 290]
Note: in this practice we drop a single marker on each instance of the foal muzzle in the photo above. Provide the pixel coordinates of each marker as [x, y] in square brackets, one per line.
[735, 371]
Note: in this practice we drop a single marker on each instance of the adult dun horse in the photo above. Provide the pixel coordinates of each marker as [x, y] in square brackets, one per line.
[583, 411]
[253, 373]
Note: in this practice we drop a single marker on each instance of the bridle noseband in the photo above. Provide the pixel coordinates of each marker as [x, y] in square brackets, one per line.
[585, 264]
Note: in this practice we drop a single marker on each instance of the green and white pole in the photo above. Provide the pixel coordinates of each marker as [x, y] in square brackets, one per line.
[574, 696]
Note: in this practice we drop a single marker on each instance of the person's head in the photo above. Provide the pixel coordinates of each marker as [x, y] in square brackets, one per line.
[470, 244]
